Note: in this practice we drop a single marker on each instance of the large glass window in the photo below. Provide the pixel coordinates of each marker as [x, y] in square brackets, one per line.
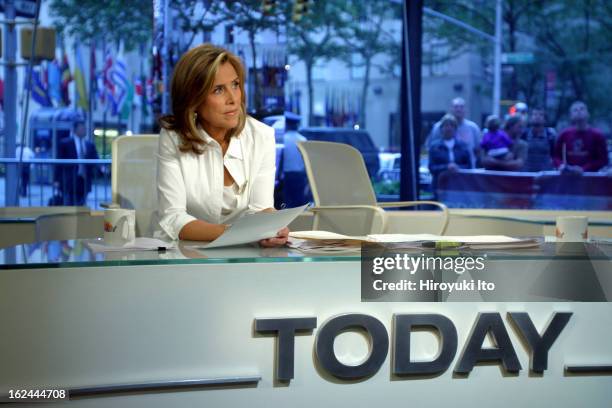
[548, 142]
[329, 70]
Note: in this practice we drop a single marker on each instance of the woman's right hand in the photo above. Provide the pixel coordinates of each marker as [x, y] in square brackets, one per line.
[279, 240]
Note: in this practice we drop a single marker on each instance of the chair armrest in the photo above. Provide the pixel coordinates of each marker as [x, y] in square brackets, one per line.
[345, 207]
[110, 205]
[377, 211]
[399, 204]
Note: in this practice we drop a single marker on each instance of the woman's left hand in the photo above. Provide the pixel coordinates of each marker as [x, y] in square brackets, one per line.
[279, 240]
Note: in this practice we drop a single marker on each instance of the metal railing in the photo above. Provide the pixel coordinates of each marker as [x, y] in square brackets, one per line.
[49, 182]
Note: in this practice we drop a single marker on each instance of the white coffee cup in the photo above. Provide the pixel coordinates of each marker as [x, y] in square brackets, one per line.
[572, 228]
[119, 226]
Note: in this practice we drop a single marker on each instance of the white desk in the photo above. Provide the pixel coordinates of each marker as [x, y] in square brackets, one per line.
[74, 319]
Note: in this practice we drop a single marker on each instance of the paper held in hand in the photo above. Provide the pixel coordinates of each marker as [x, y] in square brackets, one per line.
[254, 227]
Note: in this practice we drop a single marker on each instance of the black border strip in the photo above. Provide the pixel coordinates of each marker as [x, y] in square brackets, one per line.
[160, 386]
[95, 391]
[588, 369]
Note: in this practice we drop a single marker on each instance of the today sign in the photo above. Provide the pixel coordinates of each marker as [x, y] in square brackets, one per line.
[538, 343]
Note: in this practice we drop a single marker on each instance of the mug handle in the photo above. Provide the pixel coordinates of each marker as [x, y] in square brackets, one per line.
[122, 224]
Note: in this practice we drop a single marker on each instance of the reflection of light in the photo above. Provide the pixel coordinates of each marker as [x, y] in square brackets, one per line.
[109, 132]
[129, 133]
[356, 127]
[287, 67]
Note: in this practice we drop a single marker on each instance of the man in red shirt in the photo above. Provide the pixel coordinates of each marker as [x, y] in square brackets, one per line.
[580, 147]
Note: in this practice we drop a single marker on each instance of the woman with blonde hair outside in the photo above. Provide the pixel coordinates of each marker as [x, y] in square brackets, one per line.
[215, 162]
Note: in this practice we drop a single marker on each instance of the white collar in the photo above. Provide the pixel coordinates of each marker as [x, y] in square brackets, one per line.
[234, 149]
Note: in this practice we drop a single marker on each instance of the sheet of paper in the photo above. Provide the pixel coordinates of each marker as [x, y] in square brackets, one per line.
[139, 244]
[468, 239]
[324, 235]
[254, 227]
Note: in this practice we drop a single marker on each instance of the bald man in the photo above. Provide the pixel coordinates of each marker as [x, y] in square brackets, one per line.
[468, 132]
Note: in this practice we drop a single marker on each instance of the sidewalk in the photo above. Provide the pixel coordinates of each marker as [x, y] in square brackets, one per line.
[39, 195]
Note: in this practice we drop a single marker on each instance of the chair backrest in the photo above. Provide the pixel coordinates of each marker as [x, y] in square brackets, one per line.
[133, 177]
[338, 177]
[337, 174]
[57, 227]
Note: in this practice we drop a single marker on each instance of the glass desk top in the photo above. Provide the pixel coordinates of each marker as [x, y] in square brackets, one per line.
[76, 253]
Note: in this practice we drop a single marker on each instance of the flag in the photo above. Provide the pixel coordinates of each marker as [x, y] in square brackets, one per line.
[121, 84]
[39, 91]
[79, 80]
[66, 78]
[123, 92]
[93, 80]
[140, 90]
[105, 85]
[125, 108]
[55, 83]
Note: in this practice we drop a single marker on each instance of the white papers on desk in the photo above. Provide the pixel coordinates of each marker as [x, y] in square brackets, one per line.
[330, 239]
[139, 244]
[255, 227]
[470, 241]
[466, 239]
[324, 236]
[329, 247]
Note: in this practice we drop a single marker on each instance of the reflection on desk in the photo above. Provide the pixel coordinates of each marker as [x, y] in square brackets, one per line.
[76, 253]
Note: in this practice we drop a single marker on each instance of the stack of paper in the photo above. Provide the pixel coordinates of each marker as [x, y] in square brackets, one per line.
[329, 247]
[470, 241]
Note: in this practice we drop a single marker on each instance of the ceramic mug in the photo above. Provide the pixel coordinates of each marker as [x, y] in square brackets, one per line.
[119, 226]
[572, 228]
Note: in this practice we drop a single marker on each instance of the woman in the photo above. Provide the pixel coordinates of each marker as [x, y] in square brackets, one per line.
[447, 154]
[214, 163]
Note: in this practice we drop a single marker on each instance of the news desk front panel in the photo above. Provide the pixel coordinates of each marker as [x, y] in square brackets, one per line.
[164, 329]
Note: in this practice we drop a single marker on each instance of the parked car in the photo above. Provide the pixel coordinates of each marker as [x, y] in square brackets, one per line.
[390, 169]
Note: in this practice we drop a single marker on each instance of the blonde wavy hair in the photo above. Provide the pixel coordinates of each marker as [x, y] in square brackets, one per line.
[192, 80]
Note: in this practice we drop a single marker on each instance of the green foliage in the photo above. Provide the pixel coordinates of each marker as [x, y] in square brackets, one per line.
[386, 187]
[569, 38]
[194, 17]
[364, 32]
[127, 21]
[314, 37]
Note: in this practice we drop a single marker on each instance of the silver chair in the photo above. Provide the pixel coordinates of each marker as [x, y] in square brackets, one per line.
[344, 199]
[133, 178]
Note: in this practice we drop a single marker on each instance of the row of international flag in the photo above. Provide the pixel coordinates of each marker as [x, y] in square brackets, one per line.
[109, 86]
[342, 107]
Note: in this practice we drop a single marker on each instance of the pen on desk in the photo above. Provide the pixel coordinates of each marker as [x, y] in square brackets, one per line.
[441, 244]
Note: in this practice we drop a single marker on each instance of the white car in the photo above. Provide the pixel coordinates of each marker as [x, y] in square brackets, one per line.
[390, 169]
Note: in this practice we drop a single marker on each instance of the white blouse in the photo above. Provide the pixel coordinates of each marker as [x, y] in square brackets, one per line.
[190, 186]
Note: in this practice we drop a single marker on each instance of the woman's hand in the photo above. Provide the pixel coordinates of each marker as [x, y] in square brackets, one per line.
[279, 240]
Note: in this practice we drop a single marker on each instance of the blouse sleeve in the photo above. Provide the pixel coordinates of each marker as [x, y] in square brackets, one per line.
[262, 193]
[171, 194]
